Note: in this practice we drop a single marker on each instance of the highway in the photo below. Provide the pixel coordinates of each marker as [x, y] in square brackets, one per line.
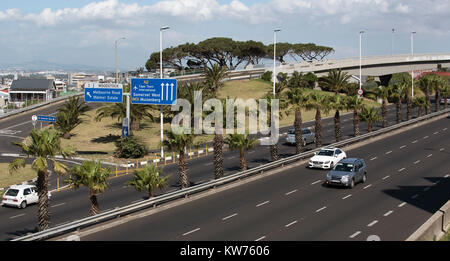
[74, 204]
[408, 181]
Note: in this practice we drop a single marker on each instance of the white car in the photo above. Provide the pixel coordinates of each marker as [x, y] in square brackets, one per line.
[326, 158]
[21, 195]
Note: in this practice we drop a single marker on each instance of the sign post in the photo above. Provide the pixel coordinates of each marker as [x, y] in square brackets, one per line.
[125, 124]
[155, 92]
[33, 121]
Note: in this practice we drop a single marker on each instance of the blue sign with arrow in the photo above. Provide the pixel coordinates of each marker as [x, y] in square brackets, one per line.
[103, 92]
[154, 91]
[46, 118]
[125, 133]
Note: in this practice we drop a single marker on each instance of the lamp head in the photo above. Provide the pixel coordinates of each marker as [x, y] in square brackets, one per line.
[164, 28]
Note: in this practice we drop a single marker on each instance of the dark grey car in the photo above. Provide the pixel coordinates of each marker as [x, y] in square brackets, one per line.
[347, 172]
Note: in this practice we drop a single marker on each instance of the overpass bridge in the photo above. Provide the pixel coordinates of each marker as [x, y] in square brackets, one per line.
[381, 66]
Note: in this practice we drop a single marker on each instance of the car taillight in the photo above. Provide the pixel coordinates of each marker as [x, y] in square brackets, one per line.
[3, 198]
[15, 200]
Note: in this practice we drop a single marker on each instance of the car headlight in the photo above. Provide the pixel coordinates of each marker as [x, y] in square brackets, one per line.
[344, 178]
[326, 162]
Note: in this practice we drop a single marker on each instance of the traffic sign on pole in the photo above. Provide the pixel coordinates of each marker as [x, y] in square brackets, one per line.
[103, 92]
[125, 131]
[46, 118]
[360, 92]
[153, 91]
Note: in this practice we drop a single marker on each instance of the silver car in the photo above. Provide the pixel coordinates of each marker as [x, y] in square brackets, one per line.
[307, 135]
[347, 172]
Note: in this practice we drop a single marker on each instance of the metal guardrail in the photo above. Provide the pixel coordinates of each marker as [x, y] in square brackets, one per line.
[121, 211]
[232, 75]
[31, 107]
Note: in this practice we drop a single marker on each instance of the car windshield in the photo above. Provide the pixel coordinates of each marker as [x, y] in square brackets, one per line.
[325, 153]
[12, 192]
[291, 131]
[343, 167]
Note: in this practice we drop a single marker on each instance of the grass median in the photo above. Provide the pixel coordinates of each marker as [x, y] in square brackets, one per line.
[18, 177]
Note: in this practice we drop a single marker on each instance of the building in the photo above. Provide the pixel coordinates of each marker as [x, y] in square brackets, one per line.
[4, 96]
[31, 90]
[60, 86]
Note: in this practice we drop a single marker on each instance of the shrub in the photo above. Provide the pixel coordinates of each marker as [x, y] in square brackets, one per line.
[267, 76]
[130, 148]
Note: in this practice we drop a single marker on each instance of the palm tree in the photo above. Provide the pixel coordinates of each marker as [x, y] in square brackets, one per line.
[318, 102]
[335, 81]
[148, 179]
[92, 175]
[242, 142]
[274, 147]
[397, 91]
[383, 93]
[119, 110]
[356, 104]
[297, 101]
[420, 103]
[45, 145]
[369, 115]
[438, 84]
[337, 103]
[69, 114]
[179, 143]
[445, 92]
[426, 86]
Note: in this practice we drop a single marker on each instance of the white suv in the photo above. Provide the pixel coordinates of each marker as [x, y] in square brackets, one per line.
[326, 158]
[20, 196]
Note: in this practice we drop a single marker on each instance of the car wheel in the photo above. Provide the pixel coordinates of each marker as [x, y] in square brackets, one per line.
[364, 178]
[23, 204]
[352, 184]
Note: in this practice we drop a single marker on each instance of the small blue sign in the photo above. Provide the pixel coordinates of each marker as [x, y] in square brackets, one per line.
[46, 118]
[103, 95]
[125, 132]
[154, 91]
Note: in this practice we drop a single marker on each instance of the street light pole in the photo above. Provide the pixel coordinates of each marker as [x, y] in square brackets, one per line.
[412, 69]
[392, 47]
[161, 76]
[117, 79]
[360, 71]
[274, 56]
[115, 51]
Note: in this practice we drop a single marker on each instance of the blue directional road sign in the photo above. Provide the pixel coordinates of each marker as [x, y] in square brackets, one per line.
[46, 118]
[100, 92]
[125, 132]
[154, 91]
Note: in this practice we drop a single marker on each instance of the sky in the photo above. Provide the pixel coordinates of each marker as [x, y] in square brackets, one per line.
[84, 31]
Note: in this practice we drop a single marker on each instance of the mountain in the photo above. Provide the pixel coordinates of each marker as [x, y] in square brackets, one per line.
[38, 65]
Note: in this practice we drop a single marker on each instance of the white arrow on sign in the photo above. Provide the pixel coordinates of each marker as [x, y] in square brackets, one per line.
[171, 91]
[89, 94]
[135, 87]
[167, 91]
[162, 91]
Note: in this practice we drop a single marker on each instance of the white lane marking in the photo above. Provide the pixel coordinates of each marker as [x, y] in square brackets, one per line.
[386, 177]
[441, 149]
[230, 216]
[436, 132]
[446, 176]
[17, 216]
[374, 158]
[355, 234]
[290, 192]
[426, 189]
[260, 204]
[444, 129]
[315, 182]
[417, 161]
[415, 196]
[192, 231]
[402, 146]
[388, 213]
[58, 205]
[415, 141]
[429, 155]
[402, 169]
[320, 209]
[372, 223]
[426, 137]
[232, 157]
[261, 238]
[347, 196]
[402, 204]
[388, 152]
[208, 164]
[367, 186]
[292, 223]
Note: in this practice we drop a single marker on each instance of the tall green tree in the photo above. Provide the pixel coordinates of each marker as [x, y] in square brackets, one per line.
[369, 115]
[282, 105]
[320, 103]
[445, 92]
[297, 101]
[92, 175]
[242, 142]
[382, 92]
[150, 178]
[44, 147]
[426, 85]
[337, 103]
[355, 104]
[335, 81]
[420, 103]
[68, 116]
[179, 144]
[398, 92]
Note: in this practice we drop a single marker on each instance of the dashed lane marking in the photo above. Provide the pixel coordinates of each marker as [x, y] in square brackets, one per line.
[17, 216]
[320, 209]
[315, 182]
[290, 192]
[261, 238]
[417, 161]
[355, 234]
[372, 223]
[374, 158]
[388, 213]
[347, 196]
[402, 204]
[429, 155]
[401, 147]
[388, 152]
[260, 204]
[402, 169]
[386, 177]
[192, 231]
[292, 223]
[230, 216]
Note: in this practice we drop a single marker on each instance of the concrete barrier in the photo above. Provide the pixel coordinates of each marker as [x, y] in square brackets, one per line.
[435, 227]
